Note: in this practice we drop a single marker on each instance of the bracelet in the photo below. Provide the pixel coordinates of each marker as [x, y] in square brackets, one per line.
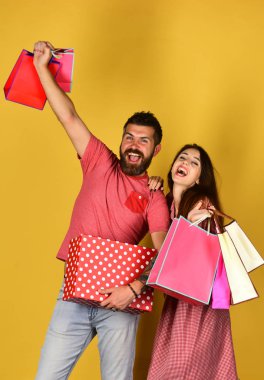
[133, 290]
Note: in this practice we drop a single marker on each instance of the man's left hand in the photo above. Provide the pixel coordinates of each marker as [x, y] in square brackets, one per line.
[119, 298]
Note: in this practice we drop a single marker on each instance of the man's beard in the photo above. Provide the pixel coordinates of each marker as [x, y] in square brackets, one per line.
[134, 169]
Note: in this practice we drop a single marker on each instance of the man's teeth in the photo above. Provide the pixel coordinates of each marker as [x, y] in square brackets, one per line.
[134, 157]
[134, 154]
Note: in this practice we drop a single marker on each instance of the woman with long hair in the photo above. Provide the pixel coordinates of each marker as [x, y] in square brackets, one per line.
[193, 342]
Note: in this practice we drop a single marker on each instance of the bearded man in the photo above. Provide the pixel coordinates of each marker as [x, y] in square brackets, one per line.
[114, 203]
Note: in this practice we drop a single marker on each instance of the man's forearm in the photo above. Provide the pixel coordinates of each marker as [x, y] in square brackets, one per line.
[144, 276]
[60, 103]
[157, 239]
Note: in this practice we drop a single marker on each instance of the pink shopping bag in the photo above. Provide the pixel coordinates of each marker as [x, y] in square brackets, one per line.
[186, 264]
[65, 57]
[221, 294]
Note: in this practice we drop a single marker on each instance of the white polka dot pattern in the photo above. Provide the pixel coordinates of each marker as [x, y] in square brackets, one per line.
[94, 263]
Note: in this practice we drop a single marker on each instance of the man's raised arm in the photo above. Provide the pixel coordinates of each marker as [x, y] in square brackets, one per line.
[60, 103]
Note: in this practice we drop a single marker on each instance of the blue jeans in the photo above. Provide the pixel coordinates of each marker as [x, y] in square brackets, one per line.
[72, 328]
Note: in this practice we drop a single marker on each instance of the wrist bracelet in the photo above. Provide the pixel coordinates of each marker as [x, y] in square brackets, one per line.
[133, 290]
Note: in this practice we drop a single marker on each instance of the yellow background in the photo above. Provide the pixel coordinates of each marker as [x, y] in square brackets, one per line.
[198, 65]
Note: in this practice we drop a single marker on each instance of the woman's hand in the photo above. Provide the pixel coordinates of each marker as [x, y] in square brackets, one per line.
[197, 212]
[155, 183]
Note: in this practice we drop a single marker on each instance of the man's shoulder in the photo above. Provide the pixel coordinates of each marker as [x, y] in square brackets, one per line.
[97, 152]
[158, 213]
[158, 195]
[95, 141]
[157, 199]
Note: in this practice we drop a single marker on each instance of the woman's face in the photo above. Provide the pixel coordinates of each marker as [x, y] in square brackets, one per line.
[186, 169]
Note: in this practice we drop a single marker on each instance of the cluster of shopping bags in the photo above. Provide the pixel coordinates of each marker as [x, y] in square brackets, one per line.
[23, 85]
[193, 264]
[203, 268]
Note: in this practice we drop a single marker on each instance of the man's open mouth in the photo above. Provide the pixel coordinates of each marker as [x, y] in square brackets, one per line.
[133, 156]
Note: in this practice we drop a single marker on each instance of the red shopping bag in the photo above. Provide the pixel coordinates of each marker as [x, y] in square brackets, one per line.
[94, 263]
[23, 85]
[65, 57]
[186, 264]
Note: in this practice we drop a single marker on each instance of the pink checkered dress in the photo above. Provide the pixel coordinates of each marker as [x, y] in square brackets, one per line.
[193, 343]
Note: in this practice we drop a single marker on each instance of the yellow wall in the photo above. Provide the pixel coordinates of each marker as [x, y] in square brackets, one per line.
[198, 65]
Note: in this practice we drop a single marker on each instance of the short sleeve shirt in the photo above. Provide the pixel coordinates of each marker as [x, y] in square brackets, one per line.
[111, 204]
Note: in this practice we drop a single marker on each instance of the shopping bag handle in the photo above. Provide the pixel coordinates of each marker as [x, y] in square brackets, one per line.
[56, 52]
[216, 213]
[219, 213]
[197, 222]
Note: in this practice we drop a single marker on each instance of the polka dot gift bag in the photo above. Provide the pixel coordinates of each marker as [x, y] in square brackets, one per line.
[94, 263]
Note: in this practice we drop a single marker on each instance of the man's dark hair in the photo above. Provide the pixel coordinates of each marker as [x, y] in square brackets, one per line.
[148, 120]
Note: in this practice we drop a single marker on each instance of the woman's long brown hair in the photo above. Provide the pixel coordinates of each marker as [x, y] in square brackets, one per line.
[206, 190]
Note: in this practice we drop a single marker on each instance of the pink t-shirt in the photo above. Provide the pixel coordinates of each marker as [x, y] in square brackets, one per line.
[113, 205]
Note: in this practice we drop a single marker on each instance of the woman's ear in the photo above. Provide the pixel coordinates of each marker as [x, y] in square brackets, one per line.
[197, 182]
